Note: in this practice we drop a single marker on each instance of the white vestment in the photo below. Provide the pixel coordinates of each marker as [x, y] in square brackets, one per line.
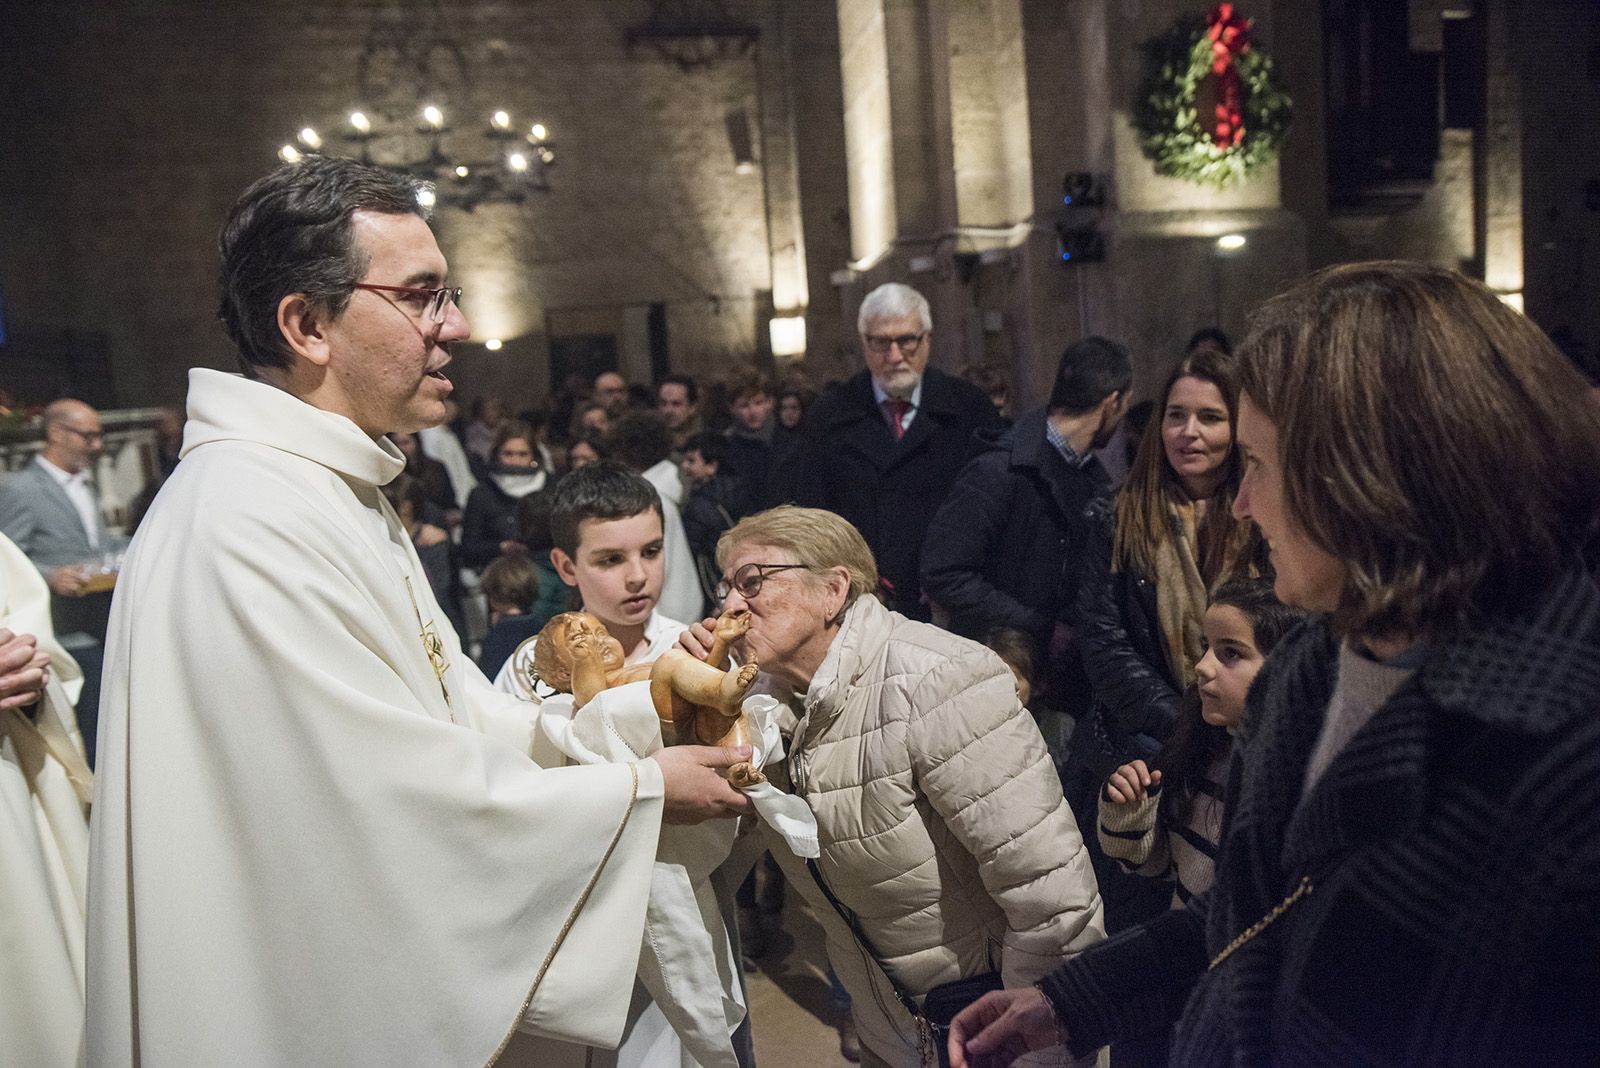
[318, 838]
[681, 597]
[44, 844]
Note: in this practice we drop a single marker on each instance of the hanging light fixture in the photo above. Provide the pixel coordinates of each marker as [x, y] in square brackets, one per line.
[503, 165]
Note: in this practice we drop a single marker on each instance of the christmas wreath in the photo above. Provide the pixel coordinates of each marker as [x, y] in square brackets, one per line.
[1211, 108]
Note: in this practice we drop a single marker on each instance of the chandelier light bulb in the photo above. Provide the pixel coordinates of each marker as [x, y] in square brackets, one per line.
[310, 138]
[517, 161]
[493, 344]
[538, 132]
[462, 172]
[289, 154]
[547, 155]
[1230, 242]
[425, 197]
[501, 120]
[360, 123]
[433, 116]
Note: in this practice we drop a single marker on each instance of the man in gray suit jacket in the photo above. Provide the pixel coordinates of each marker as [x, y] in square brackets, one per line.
[49, 508]
[53, 514]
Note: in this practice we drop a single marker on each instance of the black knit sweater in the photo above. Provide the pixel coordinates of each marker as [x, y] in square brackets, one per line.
[1453, 850]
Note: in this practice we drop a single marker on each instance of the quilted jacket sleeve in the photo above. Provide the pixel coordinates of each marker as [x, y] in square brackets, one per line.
[1131, 690]
[983, 766]
[961, 543]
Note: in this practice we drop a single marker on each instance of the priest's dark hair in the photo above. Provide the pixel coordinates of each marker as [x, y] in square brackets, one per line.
[603, 490]
[290, 232]
[1090, 371]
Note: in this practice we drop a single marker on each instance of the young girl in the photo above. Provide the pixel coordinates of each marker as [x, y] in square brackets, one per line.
[1165, 822]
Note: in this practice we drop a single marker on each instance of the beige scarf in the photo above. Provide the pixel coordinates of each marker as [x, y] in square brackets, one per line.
[1181, 594]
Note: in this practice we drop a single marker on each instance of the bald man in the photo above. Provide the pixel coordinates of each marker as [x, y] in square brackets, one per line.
[50, 508]
[52, 511]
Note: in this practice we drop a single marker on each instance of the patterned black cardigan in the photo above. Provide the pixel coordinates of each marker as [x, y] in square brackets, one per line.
[1453, 850]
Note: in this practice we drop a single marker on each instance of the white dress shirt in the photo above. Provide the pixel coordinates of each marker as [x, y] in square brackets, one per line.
[78, 492]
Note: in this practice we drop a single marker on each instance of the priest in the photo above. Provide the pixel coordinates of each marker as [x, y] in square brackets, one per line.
[318, 835]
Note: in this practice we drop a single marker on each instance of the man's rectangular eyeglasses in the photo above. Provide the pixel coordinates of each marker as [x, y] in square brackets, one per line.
[436, 298]
[749, 578]
[906, 342]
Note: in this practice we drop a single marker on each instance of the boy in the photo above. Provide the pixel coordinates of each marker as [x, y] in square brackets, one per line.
[606, 525]
[510, 585]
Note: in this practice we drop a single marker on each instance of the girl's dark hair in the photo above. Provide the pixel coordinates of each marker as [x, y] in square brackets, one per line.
[1015, 648]
[1195, 744]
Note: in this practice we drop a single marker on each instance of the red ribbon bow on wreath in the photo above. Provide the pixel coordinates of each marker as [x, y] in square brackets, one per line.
[1230, 38]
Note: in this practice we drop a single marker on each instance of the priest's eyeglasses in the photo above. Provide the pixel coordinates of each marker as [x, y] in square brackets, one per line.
[436, 299]
[747, 581]
[907, 343]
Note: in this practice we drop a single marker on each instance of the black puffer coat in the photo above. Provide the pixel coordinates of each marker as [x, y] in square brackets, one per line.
[1119, 635]
[1007, 547]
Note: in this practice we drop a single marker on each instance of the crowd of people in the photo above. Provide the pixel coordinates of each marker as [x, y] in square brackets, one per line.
[1257, 725]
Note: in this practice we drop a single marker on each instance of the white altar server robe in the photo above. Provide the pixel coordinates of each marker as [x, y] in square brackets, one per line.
[44, 843]
[314, 842]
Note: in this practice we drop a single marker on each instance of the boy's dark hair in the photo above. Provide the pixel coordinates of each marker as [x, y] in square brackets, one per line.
[691, 388]
[533, 521]
[640, 440]
[604, 490]
[510, 580]
[290, 232]
[1270, 619]
[1090, 370]
[1015, 648]
[1214, 336]
[713, 448]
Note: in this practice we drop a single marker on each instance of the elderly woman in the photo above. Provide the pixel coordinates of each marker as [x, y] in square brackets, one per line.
[940, 817]
[1409, 873]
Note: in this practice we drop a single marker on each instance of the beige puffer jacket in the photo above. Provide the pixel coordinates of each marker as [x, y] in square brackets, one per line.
[941, 821]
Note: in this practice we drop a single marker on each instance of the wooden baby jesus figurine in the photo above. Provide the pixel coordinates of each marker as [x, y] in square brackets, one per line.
[698, 702]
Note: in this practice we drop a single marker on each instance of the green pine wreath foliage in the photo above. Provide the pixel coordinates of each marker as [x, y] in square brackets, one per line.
[1165, 116]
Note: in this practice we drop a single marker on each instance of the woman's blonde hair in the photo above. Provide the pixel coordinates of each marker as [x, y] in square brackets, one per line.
[1143, 521]
[1430, 437]
[821, 540]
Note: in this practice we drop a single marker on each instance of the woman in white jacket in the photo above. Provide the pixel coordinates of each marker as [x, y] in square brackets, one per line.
[940, 817]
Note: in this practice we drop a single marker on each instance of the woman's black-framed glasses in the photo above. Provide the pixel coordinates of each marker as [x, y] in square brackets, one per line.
[437, 298]
[748, 579]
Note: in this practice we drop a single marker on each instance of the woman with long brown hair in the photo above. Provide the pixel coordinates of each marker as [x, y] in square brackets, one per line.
[1169, 541]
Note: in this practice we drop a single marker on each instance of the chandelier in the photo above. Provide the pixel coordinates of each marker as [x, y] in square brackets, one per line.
[503, 166]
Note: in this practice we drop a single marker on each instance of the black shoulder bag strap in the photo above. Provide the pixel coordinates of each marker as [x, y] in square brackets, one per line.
[902, 995]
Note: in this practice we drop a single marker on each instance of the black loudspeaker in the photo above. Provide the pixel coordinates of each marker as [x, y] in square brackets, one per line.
[1080, 244]
[1080, 189]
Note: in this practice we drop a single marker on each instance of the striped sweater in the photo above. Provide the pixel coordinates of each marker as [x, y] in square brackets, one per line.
[1143, 842]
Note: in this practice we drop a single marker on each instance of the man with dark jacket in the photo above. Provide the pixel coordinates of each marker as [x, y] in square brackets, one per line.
[1005, 549]
[882, 448]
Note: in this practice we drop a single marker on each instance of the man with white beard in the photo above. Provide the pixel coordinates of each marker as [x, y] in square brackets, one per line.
[319, 837]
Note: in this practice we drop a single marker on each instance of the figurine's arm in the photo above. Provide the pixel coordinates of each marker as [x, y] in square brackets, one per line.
[588, 673]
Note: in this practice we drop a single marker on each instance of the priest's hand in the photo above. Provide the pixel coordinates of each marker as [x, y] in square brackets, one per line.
[23, 669]
[692, 790]
[1001, 1026]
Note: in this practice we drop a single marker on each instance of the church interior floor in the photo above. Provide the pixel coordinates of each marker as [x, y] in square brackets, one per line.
[791, 1010]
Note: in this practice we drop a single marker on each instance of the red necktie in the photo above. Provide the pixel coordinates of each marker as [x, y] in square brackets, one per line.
[896, 408]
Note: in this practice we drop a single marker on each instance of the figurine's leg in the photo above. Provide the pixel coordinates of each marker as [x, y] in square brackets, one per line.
[731, 626]
[697, 682]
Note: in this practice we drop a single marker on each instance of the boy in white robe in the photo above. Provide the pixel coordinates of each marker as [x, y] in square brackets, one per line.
[318, 835]
[606, 524]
